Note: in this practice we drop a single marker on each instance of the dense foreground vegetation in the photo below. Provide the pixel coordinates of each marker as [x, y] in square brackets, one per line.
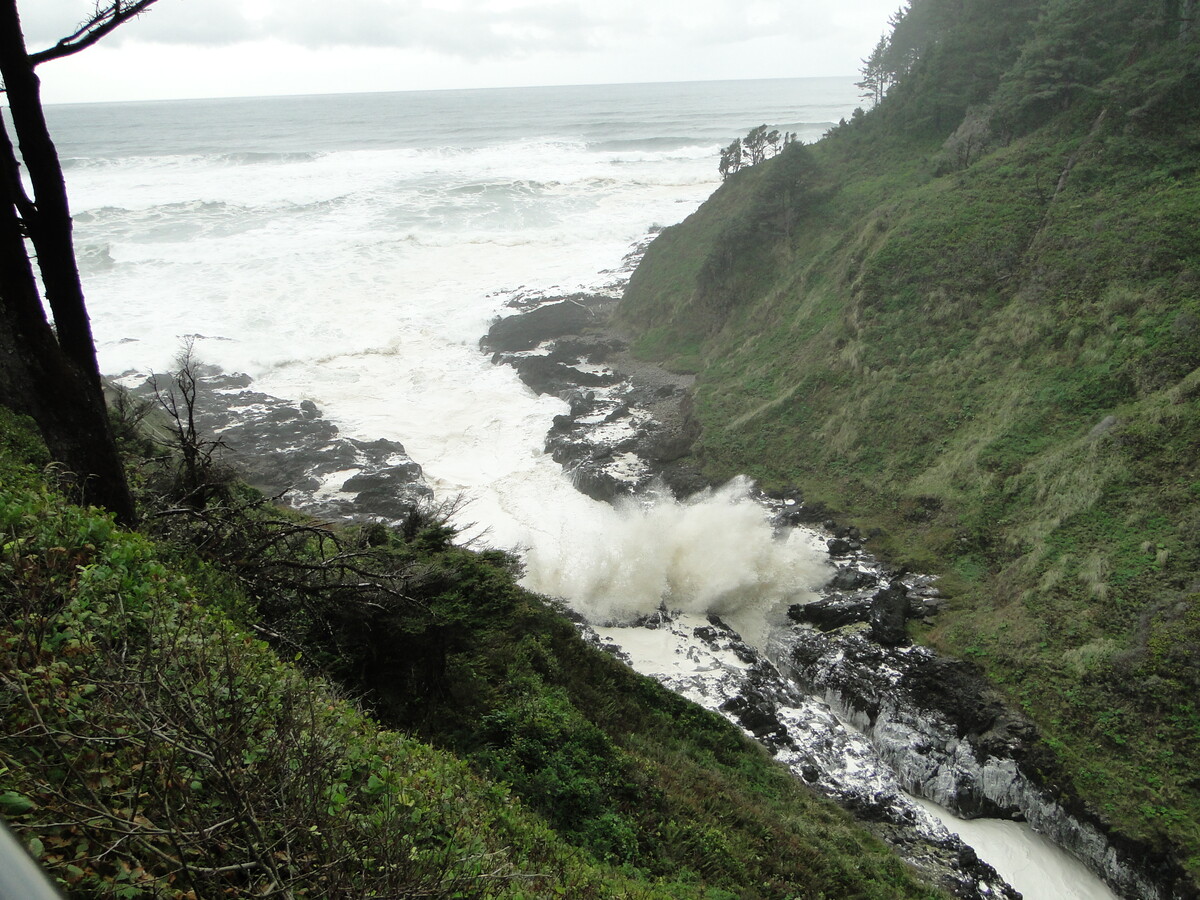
[155, 745]
[970, 320]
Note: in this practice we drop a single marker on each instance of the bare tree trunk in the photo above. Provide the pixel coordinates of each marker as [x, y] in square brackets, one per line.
[55, 380]
[48, 224]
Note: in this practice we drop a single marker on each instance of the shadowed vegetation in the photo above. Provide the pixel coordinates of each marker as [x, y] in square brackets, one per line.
[436, 732]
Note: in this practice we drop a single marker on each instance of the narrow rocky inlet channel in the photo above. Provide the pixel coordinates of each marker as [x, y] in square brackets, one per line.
[739, 601]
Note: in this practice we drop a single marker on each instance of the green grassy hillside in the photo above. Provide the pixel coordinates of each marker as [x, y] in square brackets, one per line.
[970, 321]
[155, 745]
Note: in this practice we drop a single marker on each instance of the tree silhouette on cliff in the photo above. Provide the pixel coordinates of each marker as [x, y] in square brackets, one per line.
[51, 373]
[753, 149]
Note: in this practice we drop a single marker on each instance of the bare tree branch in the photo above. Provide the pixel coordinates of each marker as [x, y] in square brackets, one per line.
[104, 19]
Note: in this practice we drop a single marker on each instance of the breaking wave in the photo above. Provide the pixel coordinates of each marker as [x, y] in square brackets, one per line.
[714, 554]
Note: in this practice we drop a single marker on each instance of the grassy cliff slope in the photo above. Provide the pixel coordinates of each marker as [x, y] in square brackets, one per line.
[155, 745]
[970, 320]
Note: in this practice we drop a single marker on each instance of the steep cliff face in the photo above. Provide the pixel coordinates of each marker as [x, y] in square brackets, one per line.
[971, 320]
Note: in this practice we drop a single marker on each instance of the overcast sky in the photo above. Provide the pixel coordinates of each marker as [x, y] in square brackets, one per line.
[224, 48]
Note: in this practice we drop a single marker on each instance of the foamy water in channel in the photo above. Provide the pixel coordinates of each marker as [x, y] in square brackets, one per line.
[353, 250]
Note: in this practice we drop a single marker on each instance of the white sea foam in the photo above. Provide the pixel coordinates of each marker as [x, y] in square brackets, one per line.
[713, 554]
[360, 271]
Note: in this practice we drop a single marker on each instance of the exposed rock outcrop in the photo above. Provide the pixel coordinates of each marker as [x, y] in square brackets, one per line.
[708, 662]
[290, 449]
[949, 737]
[567, 315]
[629, 424]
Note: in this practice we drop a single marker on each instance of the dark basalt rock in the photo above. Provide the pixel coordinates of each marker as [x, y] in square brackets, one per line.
[582, 403]
[290, 450]
[886, 611]
[958, 690]
[790, 517]
[848, 578]
[526, 330]
[595, 350]
[889, 612]
[840, 547]
[751, 714]
[722, 633]
[598, 484]
[797, 512]
[604, 462]
[814, 745]
[833, 612]
[949, 737]
[665, 444]
[547, 376]
[683, 478]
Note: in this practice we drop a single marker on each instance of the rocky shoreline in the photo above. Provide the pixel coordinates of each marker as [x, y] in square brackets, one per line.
[628, 431]
[714, 667]
[846, 667]
[937, 724]
[629, 427]
[292, 452]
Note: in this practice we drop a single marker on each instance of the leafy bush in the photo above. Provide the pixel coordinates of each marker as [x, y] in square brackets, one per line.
[151, 748]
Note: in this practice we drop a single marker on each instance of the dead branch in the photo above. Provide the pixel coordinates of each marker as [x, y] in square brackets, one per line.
[104, 19]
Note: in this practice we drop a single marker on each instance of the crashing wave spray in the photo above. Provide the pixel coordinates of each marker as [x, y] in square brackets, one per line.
[713, 554]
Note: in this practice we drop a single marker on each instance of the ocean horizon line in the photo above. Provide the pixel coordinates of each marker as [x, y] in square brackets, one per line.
[443, 91]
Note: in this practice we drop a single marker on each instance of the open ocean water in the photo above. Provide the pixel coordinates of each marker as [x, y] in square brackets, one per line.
[293, 228]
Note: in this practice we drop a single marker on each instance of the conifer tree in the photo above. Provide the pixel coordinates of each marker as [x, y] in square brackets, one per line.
[876, 78]
[731, 159]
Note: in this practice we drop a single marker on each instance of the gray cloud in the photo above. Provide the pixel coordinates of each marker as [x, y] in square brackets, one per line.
[467, 32]
[169, 21]
[467, 29]
[46, 21]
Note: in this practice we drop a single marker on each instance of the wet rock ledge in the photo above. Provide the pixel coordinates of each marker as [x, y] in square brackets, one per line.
[629, 424]
[291, 450]
[715, 668]
[936, 723]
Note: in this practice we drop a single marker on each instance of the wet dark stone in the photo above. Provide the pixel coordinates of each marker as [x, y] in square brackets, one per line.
[839, 547]
[757, 716]
[287, 449]
[402, 474]
[889, 613]
[546, 376]
[833, 612]
[526, 330]
[848, 578]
